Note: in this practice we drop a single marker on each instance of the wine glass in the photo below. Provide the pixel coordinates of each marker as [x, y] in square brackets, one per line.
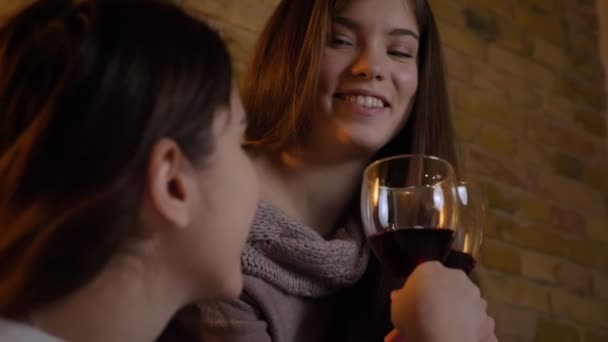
[409, 208]
[469, 229]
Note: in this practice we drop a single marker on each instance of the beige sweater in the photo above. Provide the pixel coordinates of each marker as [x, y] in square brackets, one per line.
[293, 277]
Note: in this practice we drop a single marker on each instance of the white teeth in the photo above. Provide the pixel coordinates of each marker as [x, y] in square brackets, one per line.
[366, 101]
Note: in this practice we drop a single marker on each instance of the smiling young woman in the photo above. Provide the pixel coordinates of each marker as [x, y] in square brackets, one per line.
[333, 86]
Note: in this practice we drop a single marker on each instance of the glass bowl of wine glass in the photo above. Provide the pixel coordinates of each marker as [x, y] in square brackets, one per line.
[469, 229]
[409, 207]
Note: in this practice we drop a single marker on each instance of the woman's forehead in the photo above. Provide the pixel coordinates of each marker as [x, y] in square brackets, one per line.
[389, 14]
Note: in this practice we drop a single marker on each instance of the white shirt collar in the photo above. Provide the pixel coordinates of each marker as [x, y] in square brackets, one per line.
[13, 331]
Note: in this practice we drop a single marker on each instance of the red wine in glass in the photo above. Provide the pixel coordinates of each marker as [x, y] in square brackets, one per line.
[460, 260]
[409, 210]
[402, 250]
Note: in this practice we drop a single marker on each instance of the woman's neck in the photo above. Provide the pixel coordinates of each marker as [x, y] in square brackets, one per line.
[314, 192]
[124, 303]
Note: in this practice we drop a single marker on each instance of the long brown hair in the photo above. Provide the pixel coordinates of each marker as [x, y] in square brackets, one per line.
[277, 89]
[86, 91]
[284, 76]
[284, 72]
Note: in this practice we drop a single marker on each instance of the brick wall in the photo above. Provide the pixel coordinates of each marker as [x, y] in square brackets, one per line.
[529, 106]
[602, 11]
[530, 111]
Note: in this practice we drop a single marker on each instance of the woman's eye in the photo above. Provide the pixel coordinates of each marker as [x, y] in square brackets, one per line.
[400, 54]
[337, 41]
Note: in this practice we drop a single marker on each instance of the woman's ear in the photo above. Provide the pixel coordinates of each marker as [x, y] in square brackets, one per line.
[170, 184]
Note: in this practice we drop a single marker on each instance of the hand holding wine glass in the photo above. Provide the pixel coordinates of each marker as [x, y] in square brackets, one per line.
[440, 304]
[410, 208]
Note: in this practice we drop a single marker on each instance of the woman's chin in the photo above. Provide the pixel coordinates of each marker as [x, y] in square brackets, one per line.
[365, 145]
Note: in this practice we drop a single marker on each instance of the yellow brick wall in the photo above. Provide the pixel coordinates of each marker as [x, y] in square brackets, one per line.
[602, 10]
[529, 103]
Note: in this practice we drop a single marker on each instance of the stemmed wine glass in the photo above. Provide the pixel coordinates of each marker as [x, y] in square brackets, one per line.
[410, 208]
[469, 229]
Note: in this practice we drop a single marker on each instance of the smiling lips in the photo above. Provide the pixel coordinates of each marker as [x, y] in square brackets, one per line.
[364, 100]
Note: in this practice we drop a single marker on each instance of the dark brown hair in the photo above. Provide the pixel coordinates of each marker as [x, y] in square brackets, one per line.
[277, 89]
[284, 76]
[86, 91]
